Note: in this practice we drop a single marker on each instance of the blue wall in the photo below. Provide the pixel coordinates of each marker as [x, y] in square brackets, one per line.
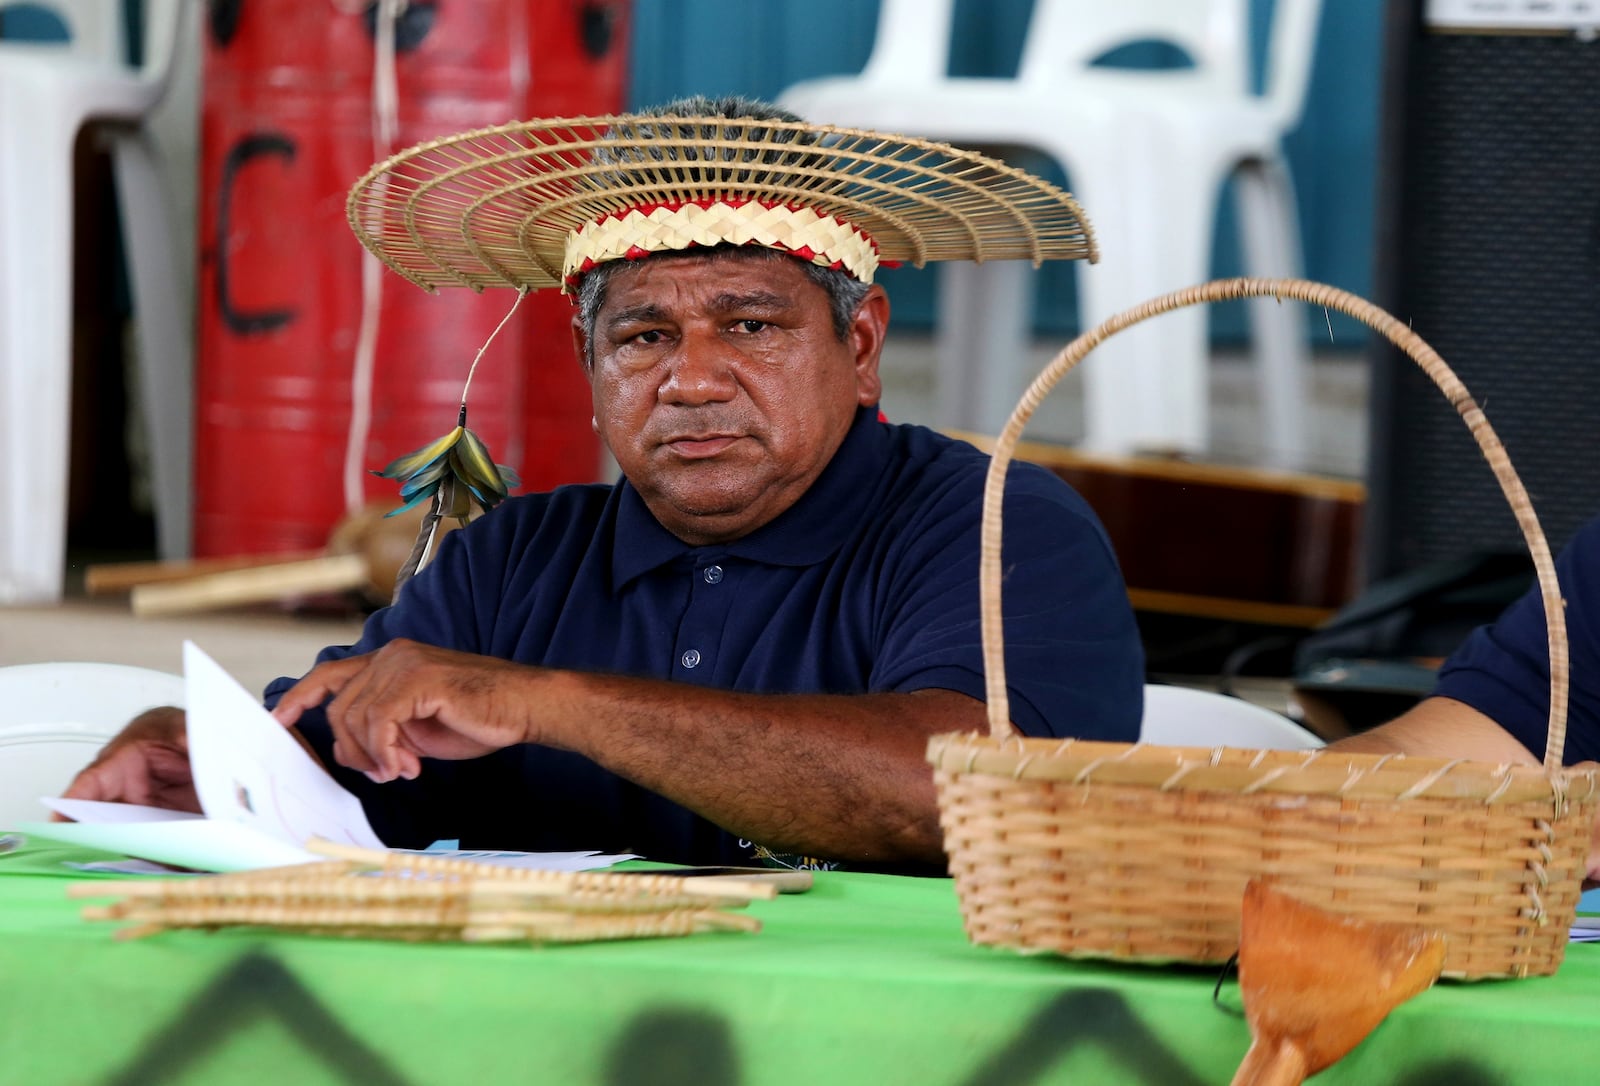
[759, 47]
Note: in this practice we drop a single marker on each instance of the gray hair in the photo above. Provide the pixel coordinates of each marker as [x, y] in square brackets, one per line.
[765, 150]
[845, 292]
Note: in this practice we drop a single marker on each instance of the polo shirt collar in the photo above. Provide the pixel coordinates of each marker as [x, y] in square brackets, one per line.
[805, 533]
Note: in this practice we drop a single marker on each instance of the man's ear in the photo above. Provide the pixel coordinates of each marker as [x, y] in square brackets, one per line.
[867, 331]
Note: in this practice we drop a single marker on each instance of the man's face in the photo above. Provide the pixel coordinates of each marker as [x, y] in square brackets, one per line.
[721, 388]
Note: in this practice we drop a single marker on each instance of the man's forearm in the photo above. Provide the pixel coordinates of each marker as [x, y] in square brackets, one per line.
[1441, 728]
[837, 776]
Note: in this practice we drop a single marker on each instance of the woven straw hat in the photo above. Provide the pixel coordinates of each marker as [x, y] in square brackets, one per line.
[536, 203]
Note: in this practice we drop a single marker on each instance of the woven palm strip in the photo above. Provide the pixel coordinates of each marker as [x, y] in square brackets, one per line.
[418, 924]
[672, 228]
[554, 928]
[1142, 852]
[418, 865]
[352, 886]
[423, 898]
[497, 206]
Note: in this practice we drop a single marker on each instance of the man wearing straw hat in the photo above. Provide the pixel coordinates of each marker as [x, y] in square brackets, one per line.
[739, 650]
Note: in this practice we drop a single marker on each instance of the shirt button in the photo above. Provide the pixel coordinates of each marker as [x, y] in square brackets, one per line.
[691, 658]
[713, 574]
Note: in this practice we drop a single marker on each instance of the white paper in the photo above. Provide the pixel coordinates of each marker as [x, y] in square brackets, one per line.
[198, 844]
[126, 867]
[263, 796]
[93, 810]
[248, 768]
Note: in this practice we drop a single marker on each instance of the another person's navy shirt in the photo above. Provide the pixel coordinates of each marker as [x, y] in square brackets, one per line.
[1503, 670]
[868, 584]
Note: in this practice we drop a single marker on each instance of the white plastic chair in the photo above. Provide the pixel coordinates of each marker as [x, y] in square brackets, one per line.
[49, 91]
[1180, 716]
[1147, 153]
[55, 717]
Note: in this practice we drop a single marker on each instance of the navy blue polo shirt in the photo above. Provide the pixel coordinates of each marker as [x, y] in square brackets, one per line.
[869, 583]
[1503, 670]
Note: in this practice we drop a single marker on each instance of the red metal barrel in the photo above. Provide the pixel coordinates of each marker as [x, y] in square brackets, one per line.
[286, 128]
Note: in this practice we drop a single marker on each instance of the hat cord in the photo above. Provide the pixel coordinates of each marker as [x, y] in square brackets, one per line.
[522, 293]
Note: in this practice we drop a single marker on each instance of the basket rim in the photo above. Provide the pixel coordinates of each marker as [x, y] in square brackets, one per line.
[1347, 775]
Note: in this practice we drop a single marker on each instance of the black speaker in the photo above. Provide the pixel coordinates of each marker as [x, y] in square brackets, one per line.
[1488, 245]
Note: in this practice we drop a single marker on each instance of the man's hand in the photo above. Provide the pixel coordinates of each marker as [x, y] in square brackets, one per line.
[409, 701]
[147, 763]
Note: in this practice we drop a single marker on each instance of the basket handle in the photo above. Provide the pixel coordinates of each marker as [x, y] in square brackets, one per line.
[1319, 294]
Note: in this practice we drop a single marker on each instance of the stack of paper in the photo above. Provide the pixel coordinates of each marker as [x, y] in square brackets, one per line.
[262, 794]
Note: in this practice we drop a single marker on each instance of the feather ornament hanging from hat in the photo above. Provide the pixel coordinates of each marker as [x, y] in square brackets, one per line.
[536, 204]
[455, 470]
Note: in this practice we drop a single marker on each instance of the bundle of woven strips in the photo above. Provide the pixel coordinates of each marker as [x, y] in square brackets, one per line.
[419, 898]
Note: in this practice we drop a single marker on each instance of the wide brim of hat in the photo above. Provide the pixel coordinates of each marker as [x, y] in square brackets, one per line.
[495, 206]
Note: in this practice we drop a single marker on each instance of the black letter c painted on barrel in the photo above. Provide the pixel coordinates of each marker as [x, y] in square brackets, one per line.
[254, 145]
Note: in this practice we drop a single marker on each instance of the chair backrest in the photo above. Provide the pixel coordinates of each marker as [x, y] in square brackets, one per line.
[1180, 716]
[95, 30]
[1290, 49]
[912, 43]
[1066, 36]
[54, 717]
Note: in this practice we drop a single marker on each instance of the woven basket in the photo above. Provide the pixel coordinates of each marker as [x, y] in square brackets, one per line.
[1141, 853]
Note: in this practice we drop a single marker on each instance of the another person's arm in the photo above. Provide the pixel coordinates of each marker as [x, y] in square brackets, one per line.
[1492, 700]
[1444, 728]
[1440, 727]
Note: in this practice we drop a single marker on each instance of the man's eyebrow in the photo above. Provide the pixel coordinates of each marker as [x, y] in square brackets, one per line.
[643, 313]
[726, 302]
[730, 302]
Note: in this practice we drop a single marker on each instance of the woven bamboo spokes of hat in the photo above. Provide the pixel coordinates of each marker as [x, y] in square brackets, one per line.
[1142, 852]
[498, 206]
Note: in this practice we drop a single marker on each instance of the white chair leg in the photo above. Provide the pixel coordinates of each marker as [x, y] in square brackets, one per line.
[955, 345]
[1146, 388]
[984, 322]
[1270, 237]
[166, 364]
[35, 355]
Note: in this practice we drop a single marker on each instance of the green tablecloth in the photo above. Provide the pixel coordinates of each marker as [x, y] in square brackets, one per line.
[865, 979]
